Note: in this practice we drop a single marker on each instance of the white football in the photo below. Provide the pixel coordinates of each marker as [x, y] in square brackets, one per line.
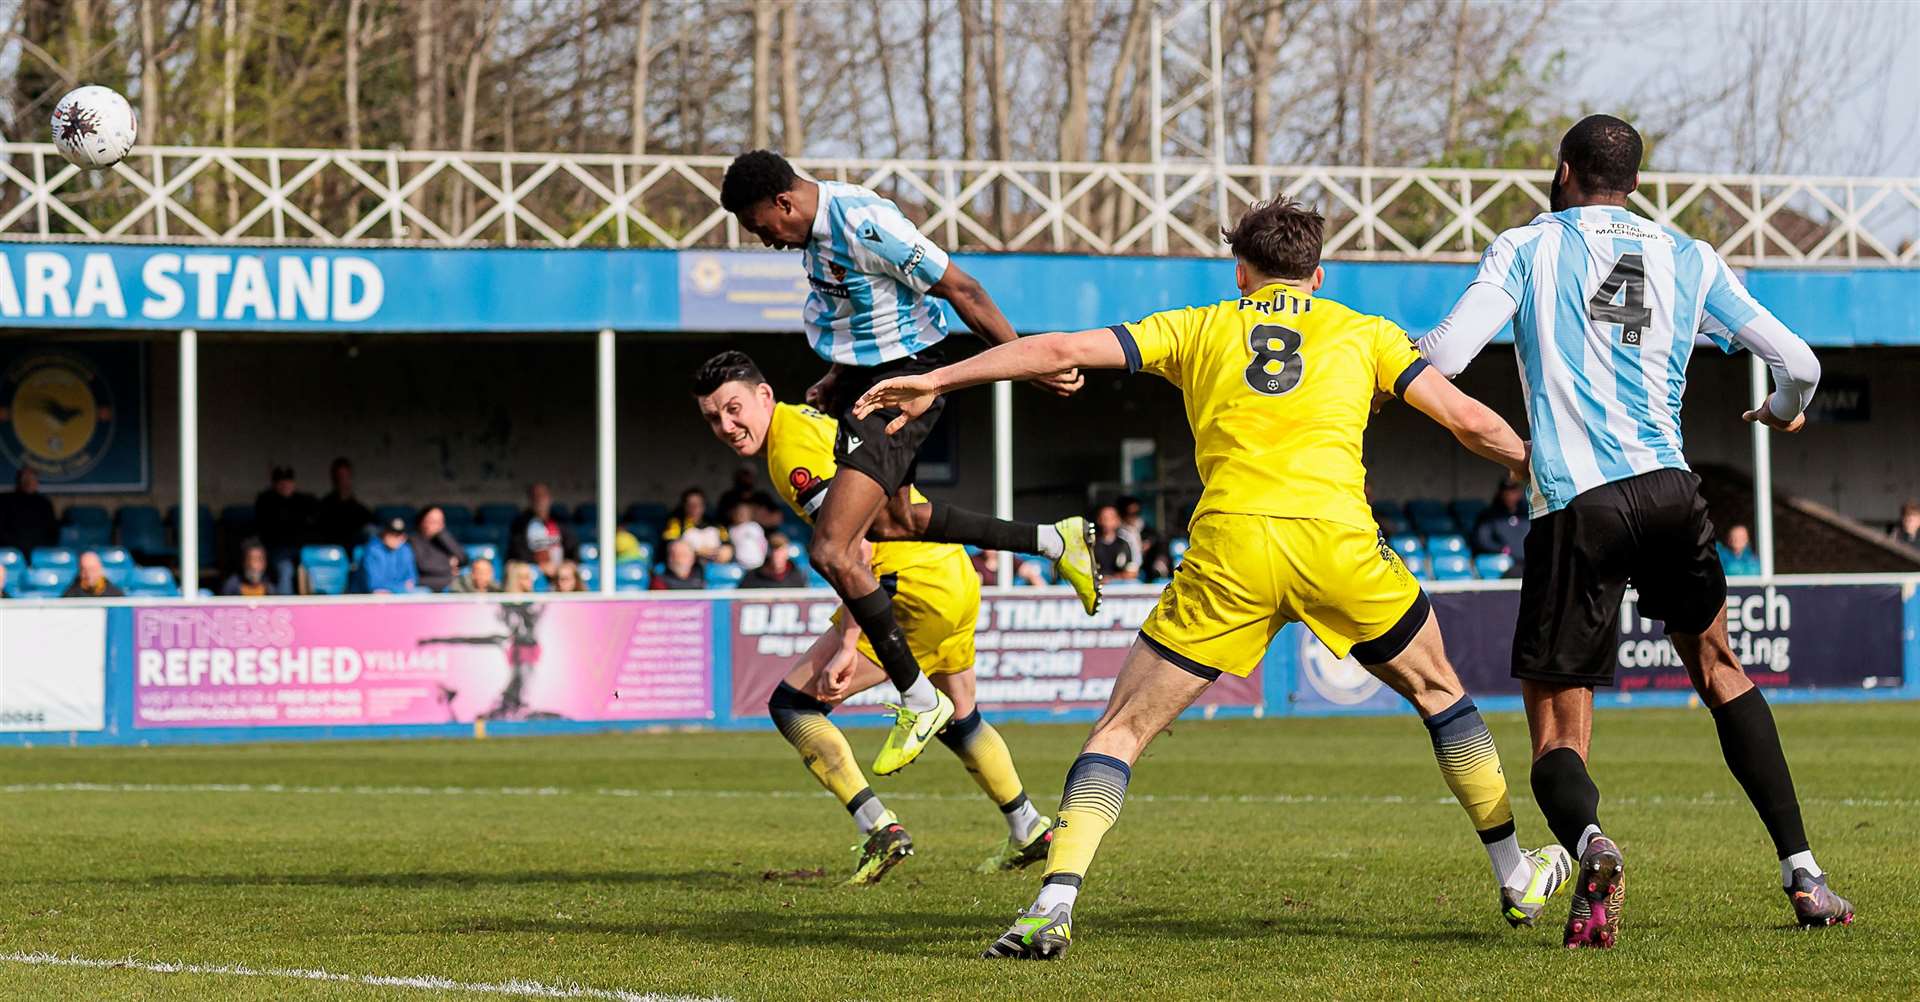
[93, 127]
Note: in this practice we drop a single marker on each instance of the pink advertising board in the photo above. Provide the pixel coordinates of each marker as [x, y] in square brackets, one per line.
[407, 663]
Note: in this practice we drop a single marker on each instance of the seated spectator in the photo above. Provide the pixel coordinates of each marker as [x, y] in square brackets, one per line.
[251, 580]
[536, 537]
[388, 566]
[1737, 556]
[1906, 532]
[689, 523]
[437, 555]
[1029, 572]
[91, 581]
[626, 546]
[748, 538]
[683, 570]
[519, 577]
[26, 516]
[4, 593]
[339, 518]
[1502, 528]
[566, 577]
[1133, 527]
[743, 489]
[477, 580]
[771, 514]
[1114, 556]
[283, 519]
[778, 570]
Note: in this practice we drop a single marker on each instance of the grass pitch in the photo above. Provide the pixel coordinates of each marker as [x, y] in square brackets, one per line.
[1256, 859]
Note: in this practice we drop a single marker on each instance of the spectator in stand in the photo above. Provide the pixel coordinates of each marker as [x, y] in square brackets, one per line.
[1906, 532]
[91, 581]
[536, 537]
[283, 519]
[477, 580]
[1114, 556]
[689, 522]
[1737, 556]
[566, 577]
[771, 515]
[251, 580]
[437, 555]
[626, 546]
[26, 516]
[1147, 545]
[683, 570]
[778, 570]
[1502, 528]
[743, 489]
[340, 518]
[388, 566]
[749, 540]
[519, 577]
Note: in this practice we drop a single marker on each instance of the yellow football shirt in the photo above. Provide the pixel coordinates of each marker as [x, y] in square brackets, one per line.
[799, 452]
[1278, 387]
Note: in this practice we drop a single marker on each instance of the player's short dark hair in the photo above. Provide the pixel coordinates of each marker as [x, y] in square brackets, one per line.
[1604, 154]
[726, 367]
[1279, 238]
[753, 178]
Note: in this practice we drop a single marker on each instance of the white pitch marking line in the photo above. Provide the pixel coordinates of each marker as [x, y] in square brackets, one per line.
[515, 988]
[1697, 800]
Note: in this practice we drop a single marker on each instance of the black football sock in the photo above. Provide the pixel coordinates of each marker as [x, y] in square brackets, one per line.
[874, 614]
[1566, 796]
[947, 524]
[1751, 744]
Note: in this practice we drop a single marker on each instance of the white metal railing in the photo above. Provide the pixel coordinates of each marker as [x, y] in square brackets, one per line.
[447, 199]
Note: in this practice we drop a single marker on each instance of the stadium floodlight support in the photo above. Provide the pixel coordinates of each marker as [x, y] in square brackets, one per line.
[189, 527]
[605, 490]
[1762, 468]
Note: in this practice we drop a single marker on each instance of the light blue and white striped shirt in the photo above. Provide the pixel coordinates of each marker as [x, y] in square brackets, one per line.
[1605, 305]
[870, 269]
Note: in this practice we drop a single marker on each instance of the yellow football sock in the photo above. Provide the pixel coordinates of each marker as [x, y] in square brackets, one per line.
[803, 722]
[984, 753]
[1471, 766]
[1096, 787]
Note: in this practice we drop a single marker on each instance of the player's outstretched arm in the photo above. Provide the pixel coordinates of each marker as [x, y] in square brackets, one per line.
[983, 317]
[1024, 358]
[1484, 433]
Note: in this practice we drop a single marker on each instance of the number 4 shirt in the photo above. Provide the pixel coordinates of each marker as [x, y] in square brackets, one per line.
[1279, 386]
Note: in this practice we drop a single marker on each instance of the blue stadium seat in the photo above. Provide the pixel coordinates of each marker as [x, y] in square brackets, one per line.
[1177, 549]
[1466, 511]
[206, 531]
[561, 512]
[1416, 564]
[589, 553]
[631, 575]
[326, 569]
[46, 582]
[87, 514]
[114, 556]
[13, 560]
[457, 515]
[481, 550]
[497, 514]
[587, 532]
[590, 576]
[1447, 543]
[1389, 511]
[645, 555]
[587, 513]
[647, 511]
[646, 532]
[1452, 567]
[384, 513]
[144, 534]
[1405, 544]
[152, 582]
[540, 582]
[724, 577]
[85, 537]
[53, 556]
[1492, 565]
[237, 516]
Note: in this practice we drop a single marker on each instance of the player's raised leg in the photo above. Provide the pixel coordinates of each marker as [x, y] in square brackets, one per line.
[1411, 658]
[839, 541]
[1751, 744]
[986, 757]
[1150, 692]
[800, 712]
[1068, 542]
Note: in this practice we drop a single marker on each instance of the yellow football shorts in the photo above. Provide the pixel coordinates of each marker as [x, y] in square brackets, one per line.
[937, 604]
[1246, 576]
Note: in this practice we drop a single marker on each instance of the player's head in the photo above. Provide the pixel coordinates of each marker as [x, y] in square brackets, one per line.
[770, 200]
[736, 401]
[1599, 162]
[1277, 241]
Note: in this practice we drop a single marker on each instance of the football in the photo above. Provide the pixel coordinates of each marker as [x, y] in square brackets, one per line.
[93, 127]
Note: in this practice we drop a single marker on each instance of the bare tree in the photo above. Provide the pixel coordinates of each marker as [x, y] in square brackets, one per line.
[1073, 120]
[763, 13]
[353, 73]
[1000, 111]
[969, 30]
[423, 38]
[642, 59]
[793, 134]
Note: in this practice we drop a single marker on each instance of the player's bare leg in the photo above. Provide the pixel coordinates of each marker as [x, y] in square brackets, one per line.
[1560, 720]
[1470, 763]
[984, 753]
[839, 553]
[1147, 696]
[1751, 744]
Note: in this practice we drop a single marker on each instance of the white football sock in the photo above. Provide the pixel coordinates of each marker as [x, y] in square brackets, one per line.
[1022, 820]
[1050, 543]
[1510, 868]
[1798, 861]
[1054, 895]
[1580, 847]
[872, 815]
[920, 696]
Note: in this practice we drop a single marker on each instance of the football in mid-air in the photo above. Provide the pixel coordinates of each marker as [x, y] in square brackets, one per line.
[93, 127]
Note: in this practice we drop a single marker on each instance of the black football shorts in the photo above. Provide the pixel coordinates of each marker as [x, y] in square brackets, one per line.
[863, 443]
